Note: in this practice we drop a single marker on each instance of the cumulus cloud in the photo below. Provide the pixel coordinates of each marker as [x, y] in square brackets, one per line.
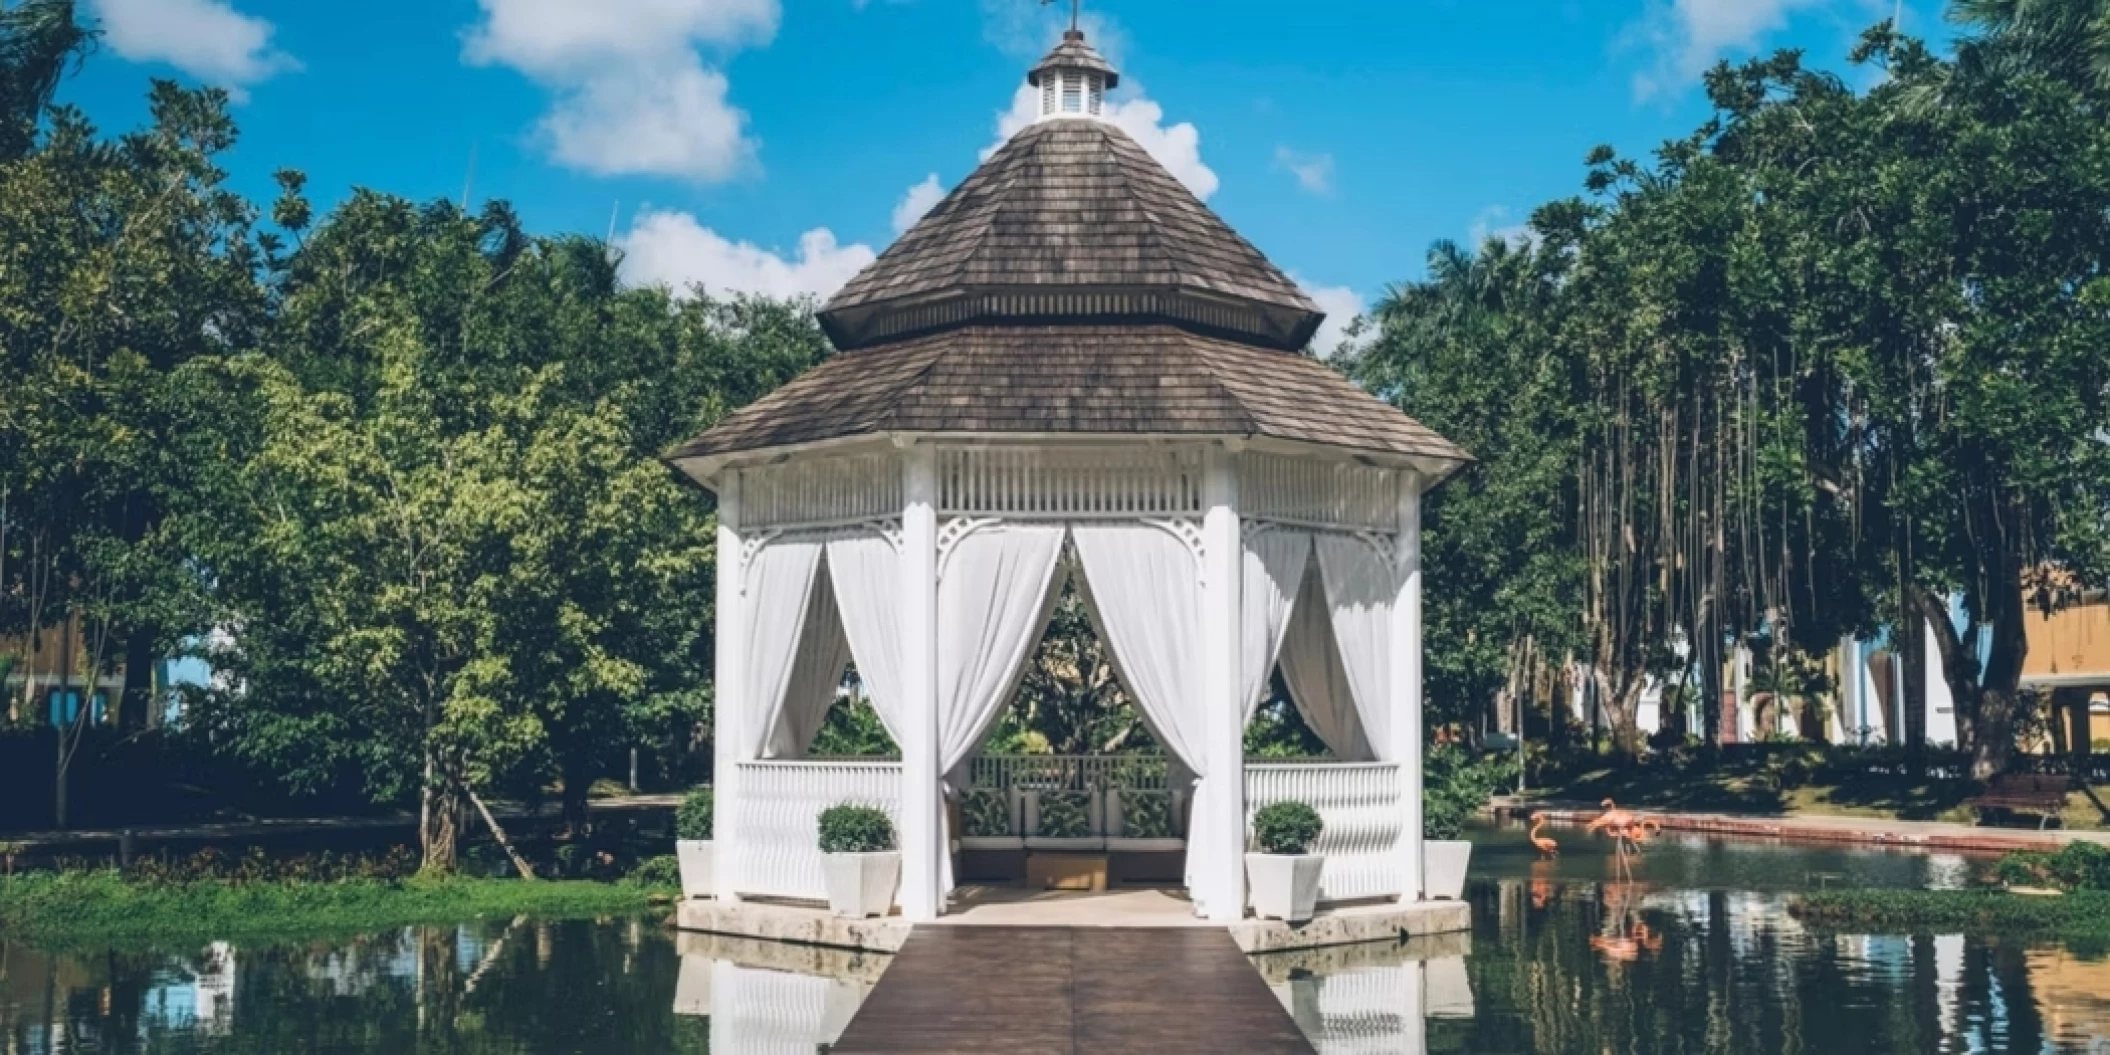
[918, 200]
[1343, 306]
[633, 92]
[1689, 36]
[670, 248]
[1314, 172]
[207, 39]
[1177, 147]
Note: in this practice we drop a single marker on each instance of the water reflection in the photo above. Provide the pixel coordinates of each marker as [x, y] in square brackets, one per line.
[1373, 998]
[770, 997]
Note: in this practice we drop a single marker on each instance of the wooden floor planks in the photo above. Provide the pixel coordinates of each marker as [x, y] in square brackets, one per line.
[1055, 991]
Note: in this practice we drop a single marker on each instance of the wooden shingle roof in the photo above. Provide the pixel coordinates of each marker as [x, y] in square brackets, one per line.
[1073, 54]
[1071, 219]
[1153, 379]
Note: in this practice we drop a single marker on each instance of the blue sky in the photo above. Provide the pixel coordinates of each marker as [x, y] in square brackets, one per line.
[773, 146]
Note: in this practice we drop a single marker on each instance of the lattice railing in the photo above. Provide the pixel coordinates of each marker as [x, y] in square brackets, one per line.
[821, 491]
[1359, 801]
[1309, 491]
[1069, 482]
[1074, 772]
[778, 822]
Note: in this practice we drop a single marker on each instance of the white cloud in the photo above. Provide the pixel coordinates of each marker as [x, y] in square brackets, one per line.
[916, 201]
[1496, 222]
[634, 95]
[1314, 172]
[1177, 147]
[207, 39]
[1342, 307]
[1690, 35]
[671, 249]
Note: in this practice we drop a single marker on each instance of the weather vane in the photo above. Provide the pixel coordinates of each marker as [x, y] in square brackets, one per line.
[1076, 11]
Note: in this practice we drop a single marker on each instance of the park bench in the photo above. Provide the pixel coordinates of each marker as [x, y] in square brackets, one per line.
[2022, 793]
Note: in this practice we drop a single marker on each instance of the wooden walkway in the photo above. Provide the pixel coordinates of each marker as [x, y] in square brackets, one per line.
[1055, 991]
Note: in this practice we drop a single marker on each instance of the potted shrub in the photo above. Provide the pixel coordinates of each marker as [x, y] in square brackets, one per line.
[858, 860]
[692, 844]
[1444, 856]
[1282, 878]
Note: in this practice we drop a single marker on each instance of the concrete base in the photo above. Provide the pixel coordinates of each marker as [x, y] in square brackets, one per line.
[1382, 921]
[792, 923]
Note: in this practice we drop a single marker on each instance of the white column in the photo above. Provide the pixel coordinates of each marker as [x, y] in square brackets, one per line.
[921, 838]
[726, 727]
[1222, 551]
[1406, 683]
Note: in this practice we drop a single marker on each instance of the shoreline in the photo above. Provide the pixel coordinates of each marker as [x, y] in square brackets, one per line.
[1863, 831]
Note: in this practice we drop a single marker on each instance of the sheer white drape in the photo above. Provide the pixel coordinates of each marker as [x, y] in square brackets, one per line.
[1318, 683]
[996, 589]
[816, 674]
[779, 592]
[866, 571]
[1145, 592]
[1361, 585]
[1272, 567]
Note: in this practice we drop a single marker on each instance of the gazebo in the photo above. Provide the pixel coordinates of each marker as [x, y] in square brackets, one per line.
[1069, 370]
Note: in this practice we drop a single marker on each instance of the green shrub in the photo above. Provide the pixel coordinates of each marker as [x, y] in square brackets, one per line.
[848, 828]
[692, 819]
[1287, 827]
[2076, 866]
[662, 871]
[986, 812]
[1456, 784]
[1065, 815]
[1146, 814]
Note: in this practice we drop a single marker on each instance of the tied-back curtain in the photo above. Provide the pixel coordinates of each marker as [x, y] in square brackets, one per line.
[1318, 683]
[996, 590]
[1361, 586]
[1273, 564]
[816, 672]
[779, 588]
[866, 571]
[1144, 589]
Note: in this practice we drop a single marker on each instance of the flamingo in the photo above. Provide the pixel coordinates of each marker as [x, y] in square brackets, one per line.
[1613, 817]
[1546, 846]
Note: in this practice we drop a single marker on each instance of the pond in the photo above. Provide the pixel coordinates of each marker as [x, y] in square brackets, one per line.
[1692, 950]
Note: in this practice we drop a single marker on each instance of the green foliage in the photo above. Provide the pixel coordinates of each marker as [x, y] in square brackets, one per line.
[849, 828]
[1456, 784]
[658, 873]
[2081, 915]
[2079, 865]
[1065, 815]
[693, 818]
[1146, 814]
[986, 812]
[1286, 827]
[852, 729]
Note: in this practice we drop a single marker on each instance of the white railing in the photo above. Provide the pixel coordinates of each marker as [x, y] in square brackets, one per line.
[1073, 772]
[822, 490]
[1069, 482]
[778, 823]
[1309, 491]
[1359, 802]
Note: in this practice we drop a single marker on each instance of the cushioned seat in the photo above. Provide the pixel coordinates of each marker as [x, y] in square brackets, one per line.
[1146, 822]
[1065, 821]
[991, 819]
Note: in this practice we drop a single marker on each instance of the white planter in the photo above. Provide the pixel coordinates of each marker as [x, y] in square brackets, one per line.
[698, 864]
[1283, 886]
[1443, 864]
[861, 885]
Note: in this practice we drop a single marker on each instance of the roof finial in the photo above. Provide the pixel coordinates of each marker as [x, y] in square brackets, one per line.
[1076, 12]
[1073, 79]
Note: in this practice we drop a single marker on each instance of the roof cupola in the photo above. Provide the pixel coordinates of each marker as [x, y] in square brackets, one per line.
[1073, 79]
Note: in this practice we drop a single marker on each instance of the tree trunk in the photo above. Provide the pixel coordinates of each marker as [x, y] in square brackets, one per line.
[1622, 705]
[135, 707]
[1911, 652]
[440, 815]
[578, 781]
[499, 834]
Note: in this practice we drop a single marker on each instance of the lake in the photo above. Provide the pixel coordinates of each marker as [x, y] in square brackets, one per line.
[1691, 950]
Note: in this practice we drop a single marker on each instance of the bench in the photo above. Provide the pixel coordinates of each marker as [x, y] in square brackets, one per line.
[2023, 793]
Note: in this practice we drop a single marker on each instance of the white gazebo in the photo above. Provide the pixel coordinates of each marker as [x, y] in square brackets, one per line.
[1070, 370]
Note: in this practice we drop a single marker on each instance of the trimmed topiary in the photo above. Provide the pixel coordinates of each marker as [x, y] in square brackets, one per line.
[849, 828]
[692, 819]
[1287, 827]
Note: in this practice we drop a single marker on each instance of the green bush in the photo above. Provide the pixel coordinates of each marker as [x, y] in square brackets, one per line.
[848, 828]
[1287, 827]
[1456, 784]
[692, 819]
[663, 871]
[2076, 866]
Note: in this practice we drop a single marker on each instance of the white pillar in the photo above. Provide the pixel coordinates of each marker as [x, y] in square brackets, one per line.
[921, 828]
[1222, 553]
[730, 650]
[1406, 684]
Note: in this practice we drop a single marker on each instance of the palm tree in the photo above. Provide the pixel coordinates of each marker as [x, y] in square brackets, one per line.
[39, 39]
[2069, 39]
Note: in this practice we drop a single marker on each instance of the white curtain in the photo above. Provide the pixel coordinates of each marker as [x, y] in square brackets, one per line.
[779, 591]
[816, 674]
[1273, 565]
[866, 571]
[996, 589]
[1145, 592]
[1361, 585]
[1318, 683]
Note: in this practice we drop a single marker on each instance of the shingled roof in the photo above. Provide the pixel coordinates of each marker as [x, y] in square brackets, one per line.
[1071, 218]
[1152, 379]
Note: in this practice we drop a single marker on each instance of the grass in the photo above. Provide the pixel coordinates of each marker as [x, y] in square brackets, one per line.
[83, 906]
[2080, 916]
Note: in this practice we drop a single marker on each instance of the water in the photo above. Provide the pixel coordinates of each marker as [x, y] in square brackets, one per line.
[1691, 950]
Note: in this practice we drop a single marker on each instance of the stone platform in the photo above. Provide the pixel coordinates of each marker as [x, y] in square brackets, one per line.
[1123, 909]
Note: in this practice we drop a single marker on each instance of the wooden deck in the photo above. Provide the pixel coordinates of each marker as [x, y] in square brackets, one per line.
[1054, 991]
